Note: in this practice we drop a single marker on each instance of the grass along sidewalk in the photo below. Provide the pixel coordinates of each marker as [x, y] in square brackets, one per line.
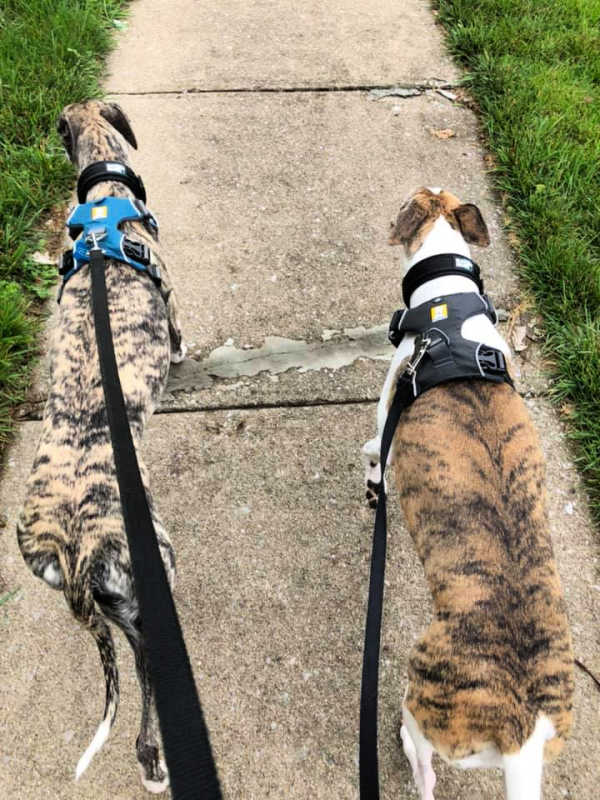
[534, 69]
[50, 55]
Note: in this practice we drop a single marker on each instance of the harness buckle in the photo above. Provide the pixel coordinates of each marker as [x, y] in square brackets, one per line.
[491, 360]
[422, 343]
[137, 251]
[66, 263]
[394, 335]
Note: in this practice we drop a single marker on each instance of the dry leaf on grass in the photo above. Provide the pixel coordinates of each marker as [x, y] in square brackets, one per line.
[42, 258]
[567, 410]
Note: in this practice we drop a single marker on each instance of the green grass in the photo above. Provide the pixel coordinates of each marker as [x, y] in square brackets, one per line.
[50, 55]
[534, 70]
[7, 597]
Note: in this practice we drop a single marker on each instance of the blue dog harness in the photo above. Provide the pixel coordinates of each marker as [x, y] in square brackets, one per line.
[102, 220]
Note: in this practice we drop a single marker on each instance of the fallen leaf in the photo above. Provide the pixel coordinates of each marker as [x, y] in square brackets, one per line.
[42, 258]
[519, 338]
[448, 95]
[513, 240]
[567, 410]
[445, 133]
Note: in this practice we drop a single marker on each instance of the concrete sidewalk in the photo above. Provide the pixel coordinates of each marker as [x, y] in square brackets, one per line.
[275, 174]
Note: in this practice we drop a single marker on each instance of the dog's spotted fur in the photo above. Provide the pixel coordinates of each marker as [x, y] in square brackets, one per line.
[491, 679]
[71, 529]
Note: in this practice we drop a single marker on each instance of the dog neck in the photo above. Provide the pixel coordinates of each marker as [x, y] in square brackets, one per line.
[441, 239]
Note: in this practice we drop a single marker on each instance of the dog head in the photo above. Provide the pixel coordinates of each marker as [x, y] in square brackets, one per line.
[94, 131]
[422, 209]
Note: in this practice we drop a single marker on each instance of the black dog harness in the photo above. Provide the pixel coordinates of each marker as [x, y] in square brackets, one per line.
[441, 354]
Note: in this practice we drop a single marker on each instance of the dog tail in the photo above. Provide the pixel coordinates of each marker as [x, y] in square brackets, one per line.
[82, 604]
[523, 770]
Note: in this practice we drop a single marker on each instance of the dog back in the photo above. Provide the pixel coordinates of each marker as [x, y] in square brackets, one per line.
[471, 478]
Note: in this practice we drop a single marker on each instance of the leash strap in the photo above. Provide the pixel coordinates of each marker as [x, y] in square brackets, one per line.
[368, 762]
[191, 765]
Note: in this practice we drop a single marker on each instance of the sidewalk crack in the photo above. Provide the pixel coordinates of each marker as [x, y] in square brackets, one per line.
[419, 86]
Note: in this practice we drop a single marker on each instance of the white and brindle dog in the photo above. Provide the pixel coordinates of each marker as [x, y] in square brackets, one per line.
[71, 531]
[490, 682]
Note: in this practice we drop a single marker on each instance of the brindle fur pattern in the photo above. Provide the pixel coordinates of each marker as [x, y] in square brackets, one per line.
[71, 529]
[498, 651]
[470, 473]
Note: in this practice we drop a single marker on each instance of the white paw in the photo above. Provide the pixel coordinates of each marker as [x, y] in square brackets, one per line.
[370, 455]
[156, 787]
[178, 355]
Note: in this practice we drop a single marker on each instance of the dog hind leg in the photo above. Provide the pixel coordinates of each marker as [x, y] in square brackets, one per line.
[115, 594]
[178, 346]
[152, 768]
[419, 753]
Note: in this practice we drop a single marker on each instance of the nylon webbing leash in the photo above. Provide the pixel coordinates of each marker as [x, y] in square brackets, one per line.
[192, 769]
[368, 761]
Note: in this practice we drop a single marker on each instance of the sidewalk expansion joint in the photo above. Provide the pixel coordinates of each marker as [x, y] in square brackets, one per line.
[258, 406]
[35, 415]
[419, 86]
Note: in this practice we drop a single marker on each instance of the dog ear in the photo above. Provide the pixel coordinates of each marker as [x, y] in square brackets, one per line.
[68, 130]
[408, 223]
[472, 225]
[114, 114]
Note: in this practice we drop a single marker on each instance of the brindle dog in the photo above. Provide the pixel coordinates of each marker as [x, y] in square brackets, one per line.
[490, 682]
[71, 531]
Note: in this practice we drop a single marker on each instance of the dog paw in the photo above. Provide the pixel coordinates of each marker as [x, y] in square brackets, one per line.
[372, 482]
[159, 781]
[177, 356]
[372, 493]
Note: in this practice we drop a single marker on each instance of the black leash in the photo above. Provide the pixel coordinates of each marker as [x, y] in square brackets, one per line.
[368, 762]
[192, 769]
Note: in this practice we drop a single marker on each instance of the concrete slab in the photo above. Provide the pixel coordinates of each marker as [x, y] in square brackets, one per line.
[275, 212]
[260, 44]
[273, 549]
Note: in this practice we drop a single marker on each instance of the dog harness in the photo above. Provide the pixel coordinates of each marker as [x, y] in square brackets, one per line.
[104, 218]
[441, 352]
